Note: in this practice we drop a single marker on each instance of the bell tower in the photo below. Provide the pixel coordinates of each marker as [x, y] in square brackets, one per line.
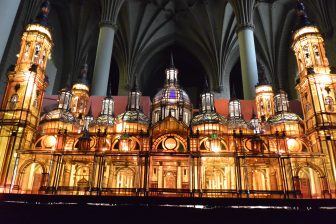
[316, 88]
[264, 96]
[80, 93]
[22, 101]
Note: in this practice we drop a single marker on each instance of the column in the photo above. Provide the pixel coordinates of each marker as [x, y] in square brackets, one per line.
[179, 176]
[110, 10]
[160, 176]
[72, 175]
[106, 177]
[8, 10]
[244, 14]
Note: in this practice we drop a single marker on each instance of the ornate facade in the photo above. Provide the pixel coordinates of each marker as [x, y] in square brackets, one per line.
[174, 152]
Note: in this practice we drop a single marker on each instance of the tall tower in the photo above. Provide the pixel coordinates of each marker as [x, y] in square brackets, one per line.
[264, 96]
[80, 93]
[21, 105]
[316, 87]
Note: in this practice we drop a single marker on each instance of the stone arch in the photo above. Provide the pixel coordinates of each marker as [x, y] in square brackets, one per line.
[31, 182]
[214, 177]
[310, 186]
[30, 161]
[317, 169]
[125, 177]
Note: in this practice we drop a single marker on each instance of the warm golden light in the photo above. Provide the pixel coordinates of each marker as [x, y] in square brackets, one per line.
[50, 141]
[293, 145]
[170, 143]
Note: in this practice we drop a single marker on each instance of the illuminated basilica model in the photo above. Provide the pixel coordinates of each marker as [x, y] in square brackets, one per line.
[174, 151]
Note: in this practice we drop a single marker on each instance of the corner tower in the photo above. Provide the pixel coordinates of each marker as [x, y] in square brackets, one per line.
[21, 105]
[316, 88]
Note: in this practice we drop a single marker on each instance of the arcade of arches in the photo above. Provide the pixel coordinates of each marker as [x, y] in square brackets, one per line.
[183, 54]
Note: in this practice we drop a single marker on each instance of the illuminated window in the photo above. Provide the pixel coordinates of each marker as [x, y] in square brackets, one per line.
[35, 103]
[308, 106]
[26, 52]
[307, 55]
[329, 102]
[13, 101]
[37, 52]
[317, 54]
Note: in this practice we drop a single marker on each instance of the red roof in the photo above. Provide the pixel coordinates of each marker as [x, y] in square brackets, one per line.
[120, 103]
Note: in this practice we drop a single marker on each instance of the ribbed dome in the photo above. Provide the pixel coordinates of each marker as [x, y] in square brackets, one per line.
[58, 115]
[209, 117]
[172, 94]
[284, 117]
[133, 117]
[105, 119]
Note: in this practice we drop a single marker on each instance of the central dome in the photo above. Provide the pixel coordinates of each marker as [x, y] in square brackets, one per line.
[172, 100]
[172, 94]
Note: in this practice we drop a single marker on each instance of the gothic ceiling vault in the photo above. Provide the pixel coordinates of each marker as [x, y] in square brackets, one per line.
[200, 33]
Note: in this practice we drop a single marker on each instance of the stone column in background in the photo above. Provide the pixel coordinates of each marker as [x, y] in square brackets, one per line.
[110, 10]
[245, 29]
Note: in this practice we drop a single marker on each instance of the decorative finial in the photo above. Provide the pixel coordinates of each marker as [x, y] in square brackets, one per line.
[109, 90]
[42, 17]
[83, 73]
[262, 80]
[68, 83]
[302, 18]
[253, 114]
[233, 93]
[134, 86]
[89, 114]
[172, 60]
[206, 88]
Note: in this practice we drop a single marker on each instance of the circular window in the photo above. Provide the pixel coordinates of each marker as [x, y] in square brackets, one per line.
[170, 143]
[293, 145]
[49, 141]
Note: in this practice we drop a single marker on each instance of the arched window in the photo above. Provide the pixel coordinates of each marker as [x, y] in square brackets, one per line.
[37, 53]
[26, 52]
[13, 101]
[307, 55]
[35, 103]
[317, 55]
[329, 103]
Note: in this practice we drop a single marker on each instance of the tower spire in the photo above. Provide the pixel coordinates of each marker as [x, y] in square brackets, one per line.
[172, 60]
[68, 83]
[89, 114]
[262, 80]
[233, 95]
[206, 88]
[302, 17]
[134, 86]
[253, 114]
[42, 16]
[109, 90]
[83, 77]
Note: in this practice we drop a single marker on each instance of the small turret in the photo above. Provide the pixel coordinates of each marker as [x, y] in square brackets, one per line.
[207, 99]
[264, 96]
[234, 105]
[134, 96]
[65, 95]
